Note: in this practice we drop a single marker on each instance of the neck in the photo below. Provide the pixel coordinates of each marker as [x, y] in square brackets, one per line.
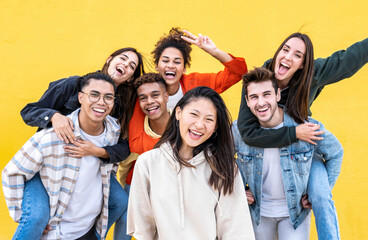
[173, 89]
[90, 127]
[283, 84]
[186, 152]
[158, 125]
[276, 119]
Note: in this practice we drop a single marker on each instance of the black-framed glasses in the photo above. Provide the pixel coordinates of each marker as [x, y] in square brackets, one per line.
[95, 97]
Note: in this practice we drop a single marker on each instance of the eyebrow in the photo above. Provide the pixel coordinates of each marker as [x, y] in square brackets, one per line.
[174, 58]
[211, 115]
[296, 50]
[95, 91]
[130, 59]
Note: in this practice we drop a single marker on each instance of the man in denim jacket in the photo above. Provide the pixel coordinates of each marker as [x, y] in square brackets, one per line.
[278, 177]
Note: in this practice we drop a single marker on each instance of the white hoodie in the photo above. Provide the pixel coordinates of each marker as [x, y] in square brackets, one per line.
[168, 203]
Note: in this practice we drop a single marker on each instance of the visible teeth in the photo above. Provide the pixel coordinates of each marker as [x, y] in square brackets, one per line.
[262, 109]
[196, 133]
[285, 65]
[170, 73]
[152, 108]
[99, 110]
[120, 70]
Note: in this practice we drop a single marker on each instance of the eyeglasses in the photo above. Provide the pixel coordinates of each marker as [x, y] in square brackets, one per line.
[95, 97]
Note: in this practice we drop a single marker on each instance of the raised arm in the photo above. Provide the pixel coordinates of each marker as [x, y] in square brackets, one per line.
[341, 64]
[205, 43]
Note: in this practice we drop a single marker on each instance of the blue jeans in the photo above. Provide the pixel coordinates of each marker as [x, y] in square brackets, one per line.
[36, 210]
[121, 223]
[320, 196]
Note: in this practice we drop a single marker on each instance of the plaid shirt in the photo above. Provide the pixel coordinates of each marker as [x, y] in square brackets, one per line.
[44, 153]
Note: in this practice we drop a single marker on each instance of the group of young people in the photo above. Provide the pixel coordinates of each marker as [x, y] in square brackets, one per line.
[188, 172]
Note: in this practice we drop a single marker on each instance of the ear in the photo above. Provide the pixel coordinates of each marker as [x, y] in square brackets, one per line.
[156, 68]
[301, 66]
[184, 70]
[108, 60]
[80, 97]
[166, 96]
[246, 99]
[278, 95]
[178, 113]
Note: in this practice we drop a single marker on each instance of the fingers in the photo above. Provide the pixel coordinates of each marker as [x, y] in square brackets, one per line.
[47, 229]
[190, 34]
[63, 127]
[61, 135]
[188, 39]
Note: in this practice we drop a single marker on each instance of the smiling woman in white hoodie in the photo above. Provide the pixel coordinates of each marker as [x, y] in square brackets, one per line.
[189, 186]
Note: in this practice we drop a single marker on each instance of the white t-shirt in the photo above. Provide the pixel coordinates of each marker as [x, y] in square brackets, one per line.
[273, 202]
[86, 201]
[174, 99]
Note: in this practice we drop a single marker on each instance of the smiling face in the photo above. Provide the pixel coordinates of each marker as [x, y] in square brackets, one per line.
[122, 67]
[197, 123]
[262, 101]
[289, 60]
[95, 112]
[153, 98]
[171, 67]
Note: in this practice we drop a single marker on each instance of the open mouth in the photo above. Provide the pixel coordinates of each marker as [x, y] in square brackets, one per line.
[152, 110]
[283, 68]
[99, 110]
[170, 74]
[263, 109]
[120, 70]
[194, 134]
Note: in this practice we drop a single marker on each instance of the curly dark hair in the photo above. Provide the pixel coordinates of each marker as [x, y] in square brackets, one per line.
[173, 39]
[149, 78]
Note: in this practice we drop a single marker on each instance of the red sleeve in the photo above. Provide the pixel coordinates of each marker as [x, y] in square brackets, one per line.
[139, 141]
[220, 81]
[136, 129]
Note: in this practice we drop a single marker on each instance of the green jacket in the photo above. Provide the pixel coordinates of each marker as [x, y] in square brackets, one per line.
[340, 65]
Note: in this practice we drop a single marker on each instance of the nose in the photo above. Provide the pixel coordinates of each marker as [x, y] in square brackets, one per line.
[288, 55]
[101, 101]
[149, 100]
[170, 64]
[199, 123]
[261, 101]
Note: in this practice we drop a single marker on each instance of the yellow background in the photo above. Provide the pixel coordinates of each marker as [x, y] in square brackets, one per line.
[42, 41]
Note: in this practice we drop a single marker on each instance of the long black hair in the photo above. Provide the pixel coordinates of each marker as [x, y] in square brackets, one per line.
[218, 149]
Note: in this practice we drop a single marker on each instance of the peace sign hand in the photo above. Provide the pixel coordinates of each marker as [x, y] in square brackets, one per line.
[203, 42]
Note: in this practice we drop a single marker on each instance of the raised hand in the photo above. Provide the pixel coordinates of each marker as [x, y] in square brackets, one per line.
[205, 43]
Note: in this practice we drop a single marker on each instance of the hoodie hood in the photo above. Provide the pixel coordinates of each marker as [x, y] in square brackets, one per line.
[197, 160]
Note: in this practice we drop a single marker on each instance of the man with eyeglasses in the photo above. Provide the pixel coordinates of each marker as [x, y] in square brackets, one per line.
[77, 187]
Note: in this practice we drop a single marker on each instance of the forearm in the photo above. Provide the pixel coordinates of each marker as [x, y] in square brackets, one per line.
[220, 55]
[115, 153]
[37, 117]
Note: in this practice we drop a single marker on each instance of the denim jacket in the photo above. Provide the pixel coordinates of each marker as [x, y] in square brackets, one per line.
[62, 97]
[295, 162]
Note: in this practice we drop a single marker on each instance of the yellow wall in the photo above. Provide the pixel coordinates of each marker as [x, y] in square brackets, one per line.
[41, 41]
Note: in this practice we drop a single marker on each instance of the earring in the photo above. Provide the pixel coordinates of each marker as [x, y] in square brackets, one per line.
[214, 135]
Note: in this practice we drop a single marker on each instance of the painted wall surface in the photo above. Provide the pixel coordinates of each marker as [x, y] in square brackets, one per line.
[43, 40]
